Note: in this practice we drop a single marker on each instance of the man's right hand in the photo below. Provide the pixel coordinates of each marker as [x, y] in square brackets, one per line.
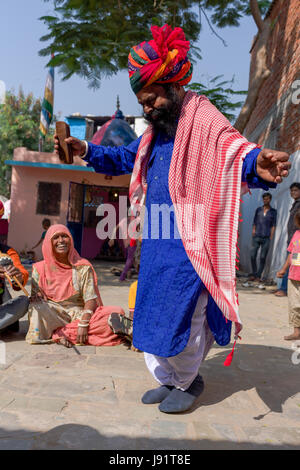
[78, 146]
[2, 271]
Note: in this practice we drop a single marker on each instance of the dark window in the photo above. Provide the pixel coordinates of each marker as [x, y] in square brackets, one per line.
[113, 195]
[49, 197]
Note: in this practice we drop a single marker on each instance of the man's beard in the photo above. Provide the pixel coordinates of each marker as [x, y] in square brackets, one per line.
[165, 118]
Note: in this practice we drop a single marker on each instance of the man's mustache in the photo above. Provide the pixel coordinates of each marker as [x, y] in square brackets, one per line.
[156, 114]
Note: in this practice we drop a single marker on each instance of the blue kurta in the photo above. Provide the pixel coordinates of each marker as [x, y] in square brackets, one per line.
[168, 285]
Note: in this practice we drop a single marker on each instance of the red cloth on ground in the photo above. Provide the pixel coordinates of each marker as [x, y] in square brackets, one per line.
[99, 333]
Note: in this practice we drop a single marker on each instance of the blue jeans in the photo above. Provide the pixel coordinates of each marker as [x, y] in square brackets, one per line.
[282, 283]
[263, 244]
[12, 310]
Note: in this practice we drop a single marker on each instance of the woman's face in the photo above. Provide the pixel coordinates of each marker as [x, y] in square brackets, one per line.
[61, 243]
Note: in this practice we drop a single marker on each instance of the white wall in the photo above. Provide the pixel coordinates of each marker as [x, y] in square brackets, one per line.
[282, 201]
[140, 125]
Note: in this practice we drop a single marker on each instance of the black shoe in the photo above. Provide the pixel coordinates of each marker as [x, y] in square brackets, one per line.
[157, 395]
[178, 400]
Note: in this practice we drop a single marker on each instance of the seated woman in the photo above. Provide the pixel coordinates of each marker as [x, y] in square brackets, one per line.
[66, 306]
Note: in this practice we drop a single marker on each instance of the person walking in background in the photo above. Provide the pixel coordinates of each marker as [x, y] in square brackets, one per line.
[45, 224]
[263, 230]
[292, 266]
[291, 229]
[126, 273]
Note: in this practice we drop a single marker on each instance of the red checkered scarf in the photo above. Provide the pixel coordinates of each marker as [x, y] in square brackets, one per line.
[205, 188]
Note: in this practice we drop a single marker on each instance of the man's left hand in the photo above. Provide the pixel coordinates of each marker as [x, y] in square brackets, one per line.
[272, 166]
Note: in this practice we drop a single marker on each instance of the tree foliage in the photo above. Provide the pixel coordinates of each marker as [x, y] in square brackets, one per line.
[221, 94]
[19, 127]
[230, 12]
[92, 38]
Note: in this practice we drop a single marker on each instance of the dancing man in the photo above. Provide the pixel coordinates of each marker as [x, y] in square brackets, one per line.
[188, 165]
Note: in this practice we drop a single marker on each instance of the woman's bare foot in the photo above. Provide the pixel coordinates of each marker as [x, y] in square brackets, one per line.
[64, 342]
[292, 337]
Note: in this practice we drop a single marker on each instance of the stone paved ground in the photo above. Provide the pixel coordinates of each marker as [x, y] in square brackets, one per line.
[56, 398]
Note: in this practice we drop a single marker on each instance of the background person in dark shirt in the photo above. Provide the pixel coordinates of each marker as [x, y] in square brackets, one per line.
[45, 224]
[291, 229]
[264, 225]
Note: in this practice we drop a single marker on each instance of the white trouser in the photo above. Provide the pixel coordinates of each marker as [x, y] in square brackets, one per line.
[181, 370]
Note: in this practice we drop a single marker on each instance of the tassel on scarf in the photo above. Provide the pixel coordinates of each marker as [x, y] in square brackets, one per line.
[229, 358]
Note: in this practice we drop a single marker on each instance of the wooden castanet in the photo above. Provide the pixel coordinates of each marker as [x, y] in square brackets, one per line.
[65, 150]
[5, 261]
[17, 282]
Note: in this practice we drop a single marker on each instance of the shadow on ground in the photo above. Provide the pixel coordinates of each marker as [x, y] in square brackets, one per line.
[82, 437]
[268, 369]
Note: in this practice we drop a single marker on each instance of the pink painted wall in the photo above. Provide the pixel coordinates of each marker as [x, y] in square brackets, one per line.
[91, 245]
[25, 227]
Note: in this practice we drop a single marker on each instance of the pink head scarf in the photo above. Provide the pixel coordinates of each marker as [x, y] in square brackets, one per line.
[56, 278]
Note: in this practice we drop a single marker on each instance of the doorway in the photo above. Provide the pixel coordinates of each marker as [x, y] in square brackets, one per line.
[82, 219]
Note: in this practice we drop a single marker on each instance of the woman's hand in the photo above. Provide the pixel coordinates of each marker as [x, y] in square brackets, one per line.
[35, 298]
[38, 296]
[85, 317]
[82, 335]
[281, 273]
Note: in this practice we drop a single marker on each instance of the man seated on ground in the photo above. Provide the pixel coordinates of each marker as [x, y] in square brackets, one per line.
[11, 310]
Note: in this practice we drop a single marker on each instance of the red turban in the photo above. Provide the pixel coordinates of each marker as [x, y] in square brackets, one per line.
[162, 60]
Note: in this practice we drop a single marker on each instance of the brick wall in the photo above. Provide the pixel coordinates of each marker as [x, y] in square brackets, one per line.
[275, 119]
